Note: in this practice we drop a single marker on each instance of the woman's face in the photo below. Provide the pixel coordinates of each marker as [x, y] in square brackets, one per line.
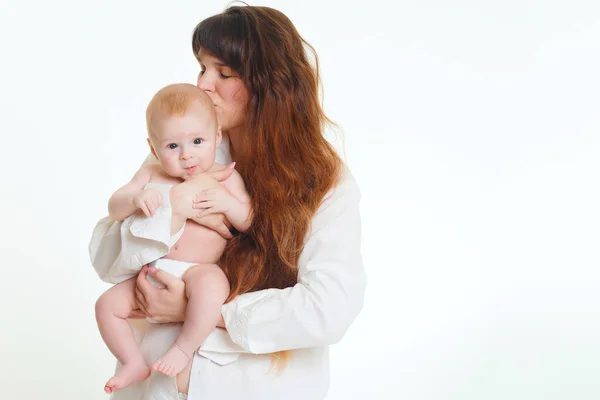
[226, 90]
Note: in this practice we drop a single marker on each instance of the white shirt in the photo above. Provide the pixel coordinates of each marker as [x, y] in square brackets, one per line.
[307, 318]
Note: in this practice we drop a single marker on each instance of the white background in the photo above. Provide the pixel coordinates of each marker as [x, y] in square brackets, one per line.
[471, 127]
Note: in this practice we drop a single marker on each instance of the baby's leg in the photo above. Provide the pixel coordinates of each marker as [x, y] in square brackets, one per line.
[207, 289]
[112, 310]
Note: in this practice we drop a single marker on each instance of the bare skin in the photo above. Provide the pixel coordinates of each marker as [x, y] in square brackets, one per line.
[112, 310]
[166, 305]
[206, 290]
[229, 97]
[185, 147]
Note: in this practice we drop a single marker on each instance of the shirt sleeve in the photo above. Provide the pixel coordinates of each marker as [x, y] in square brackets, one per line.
[318, 310]
[118, 249]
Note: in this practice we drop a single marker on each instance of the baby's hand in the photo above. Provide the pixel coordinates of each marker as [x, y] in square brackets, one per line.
[148, 201]
[212, 201]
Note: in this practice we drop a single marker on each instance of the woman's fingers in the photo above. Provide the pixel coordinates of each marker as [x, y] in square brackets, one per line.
[216, 222]
[141, 302]
[137, 314]
[203, 199]
[144, 284]
[203, 205]
[205, 212]
[224, 231]
[222, 174]
[165, 278]
[205, 194]
[140, 297]
[141, 286]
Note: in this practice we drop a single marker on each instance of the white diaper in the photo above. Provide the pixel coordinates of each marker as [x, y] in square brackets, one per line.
[173, 267]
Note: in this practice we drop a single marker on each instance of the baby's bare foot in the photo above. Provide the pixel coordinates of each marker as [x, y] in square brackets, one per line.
[173, 362]
[128, 374]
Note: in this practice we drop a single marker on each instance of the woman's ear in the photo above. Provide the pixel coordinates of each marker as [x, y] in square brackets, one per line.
[151, 148]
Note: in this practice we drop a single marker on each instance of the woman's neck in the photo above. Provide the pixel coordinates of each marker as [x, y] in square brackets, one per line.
[234, 135]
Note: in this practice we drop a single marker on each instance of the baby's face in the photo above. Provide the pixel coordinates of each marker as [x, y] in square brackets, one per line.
[186, 145]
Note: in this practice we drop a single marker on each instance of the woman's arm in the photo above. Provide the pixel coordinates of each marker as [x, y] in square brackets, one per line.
[329, 294]
[317, 311]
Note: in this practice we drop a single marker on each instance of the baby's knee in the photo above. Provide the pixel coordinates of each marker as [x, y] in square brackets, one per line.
[105, 303]
[118, 299]
[206, 278]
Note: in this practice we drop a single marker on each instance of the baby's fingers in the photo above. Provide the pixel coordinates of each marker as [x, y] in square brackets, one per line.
[151, 207]
[158, 199]
[145, 209]
[156, 202]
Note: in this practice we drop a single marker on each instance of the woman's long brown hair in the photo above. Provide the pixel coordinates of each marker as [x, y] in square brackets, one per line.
[286, 163]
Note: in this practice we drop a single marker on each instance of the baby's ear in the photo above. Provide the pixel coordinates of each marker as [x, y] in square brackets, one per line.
[151, 148]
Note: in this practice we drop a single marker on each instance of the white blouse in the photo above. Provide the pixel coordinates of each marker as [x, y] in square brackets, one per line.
[235, 364]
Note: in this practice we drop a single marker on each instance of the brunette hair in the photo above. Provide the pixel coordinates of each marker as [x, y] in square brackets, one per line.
[287, 164]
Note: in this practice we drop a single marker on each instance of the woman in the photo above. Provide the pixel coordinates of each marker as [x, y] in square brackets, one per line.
[297, 280]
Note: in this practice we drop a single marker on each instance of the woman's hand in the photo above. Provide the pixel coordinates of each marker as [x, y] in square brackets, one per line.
[216, 222]
[214, 201]
[182, 197]
[136, 314]
[162, 305]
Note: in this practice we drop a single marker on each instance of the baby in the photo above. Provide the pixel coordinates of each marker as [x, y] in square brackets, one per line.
[183, 135]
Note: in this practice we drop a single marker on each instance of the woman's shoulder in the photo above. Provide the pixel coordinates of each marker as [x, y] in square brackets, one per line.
[342, 201]
[342, 195]
[346, 187]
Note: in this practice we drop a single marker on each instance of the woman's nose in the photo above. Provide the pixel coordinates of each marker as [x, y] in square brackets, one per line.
[206, 83]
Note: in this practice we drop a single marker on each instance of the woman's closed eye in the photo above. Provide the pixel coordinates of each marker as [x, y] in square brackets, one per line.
[226, 72]
[223, 73]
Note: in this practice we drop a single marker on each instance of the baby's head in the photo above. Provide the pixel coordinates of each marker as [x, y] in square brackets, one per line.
[183, 132]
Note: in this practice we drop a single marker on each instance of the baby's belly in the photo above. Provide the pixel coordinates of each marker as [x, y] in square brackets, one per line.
[198, 245]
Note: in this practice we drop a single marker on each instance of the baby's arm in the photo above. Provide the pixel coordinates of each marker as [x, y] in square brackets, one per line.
[240, 214]
[131, 197]
[231, 199]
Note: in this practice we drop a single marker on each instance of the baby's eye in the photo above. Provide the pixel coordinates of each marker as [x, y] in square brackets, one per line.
[197, 141]
[172, 146]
